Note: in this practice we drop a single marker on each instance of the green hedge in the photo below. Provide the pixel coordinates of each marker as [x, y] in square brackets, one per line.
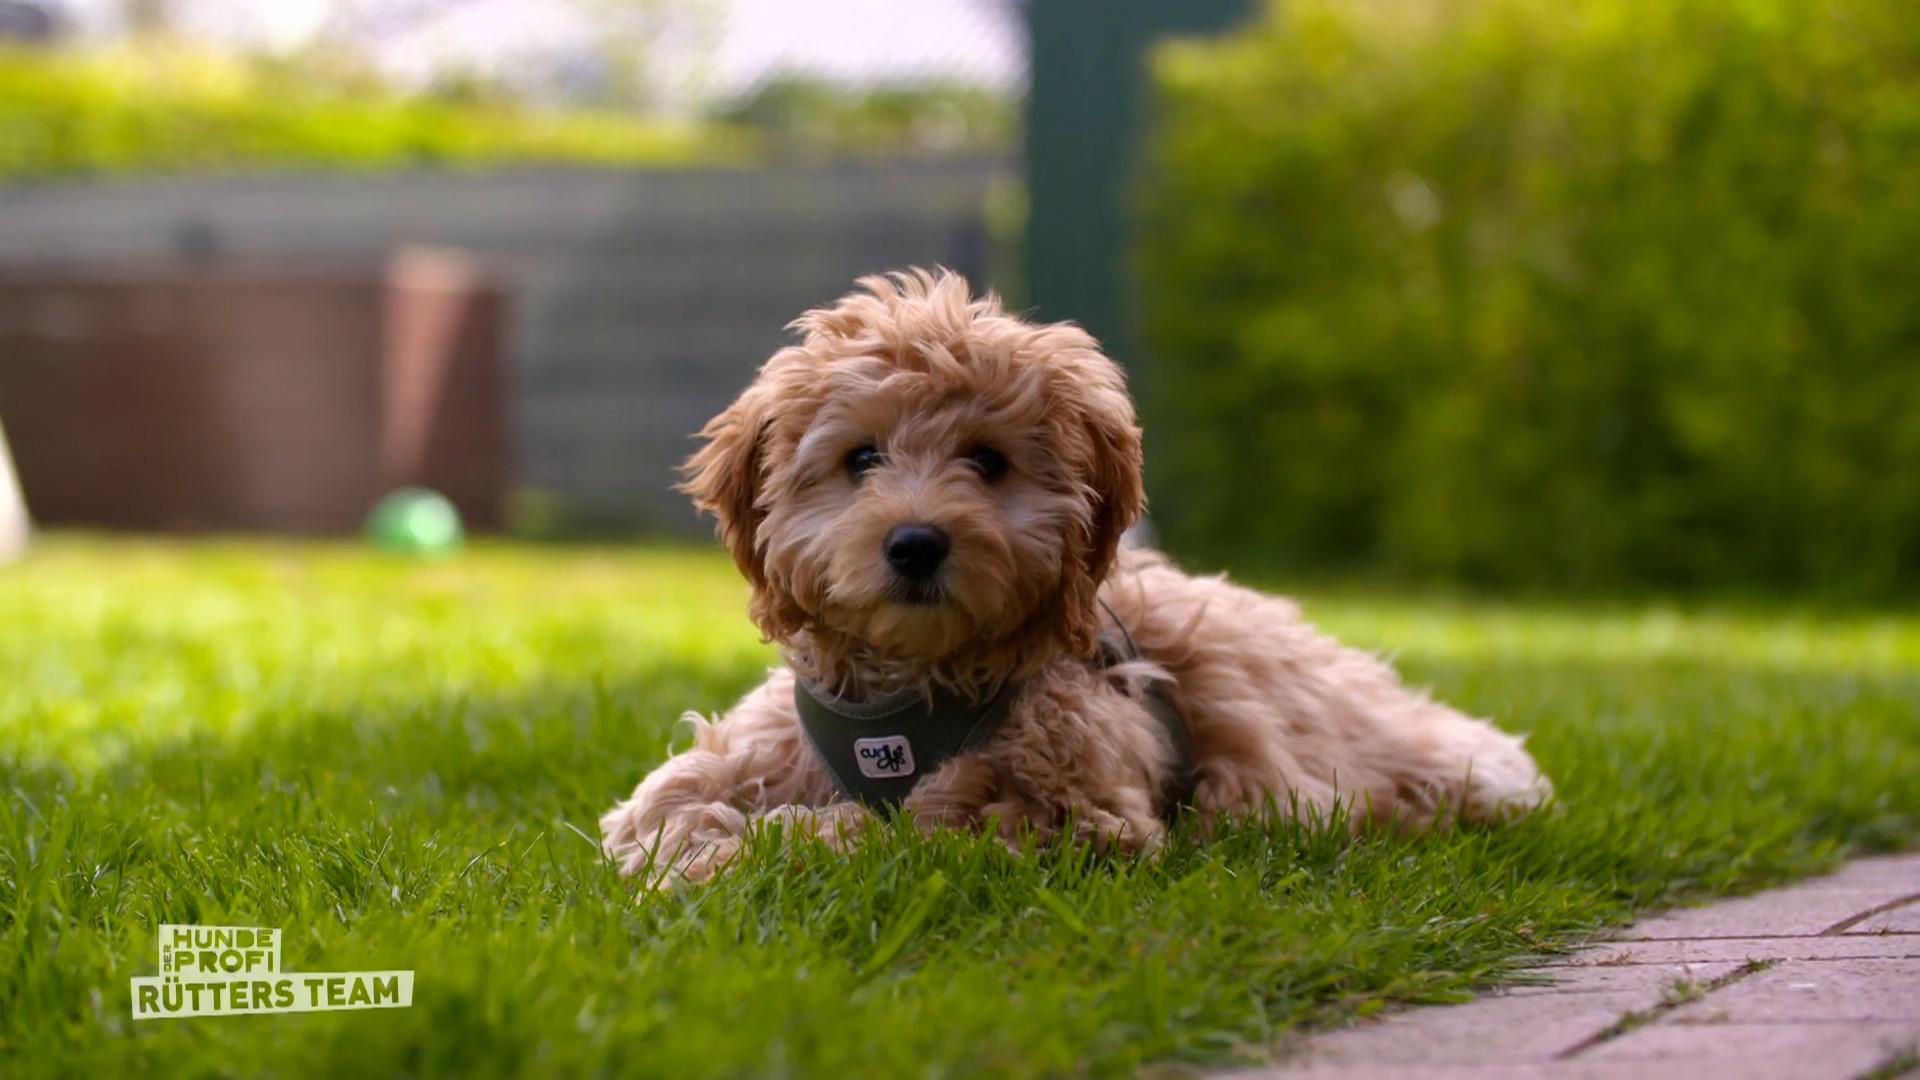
[1590, 293]
[160, 110]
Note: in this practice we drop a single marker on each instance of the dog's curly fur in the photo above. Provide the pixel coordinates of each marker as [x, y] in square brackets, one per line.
[1279, 715]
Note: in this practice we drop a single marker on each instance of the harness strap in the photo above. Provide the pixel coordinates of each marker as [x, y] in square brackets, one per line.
[1184, 779]
[877, 750]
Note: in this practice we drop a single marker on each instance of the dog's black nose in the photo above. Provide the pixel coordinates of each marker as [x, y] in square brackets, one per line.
[916, 551]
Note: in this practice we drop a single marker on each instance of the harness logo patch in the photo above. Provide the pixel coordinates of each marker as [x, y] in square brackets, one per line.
[885, 758]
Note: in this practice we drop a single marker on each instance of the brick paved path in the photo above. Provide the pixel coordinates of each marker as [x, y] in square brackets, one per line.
[1815, 980]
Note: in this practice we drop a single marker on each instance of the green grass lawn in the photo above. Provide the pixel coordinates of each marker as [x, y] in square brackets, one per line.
[401, 764]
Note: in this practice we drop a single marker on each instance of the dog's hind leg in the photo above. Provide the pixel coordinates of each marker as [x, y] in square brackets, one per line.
[1445, 764]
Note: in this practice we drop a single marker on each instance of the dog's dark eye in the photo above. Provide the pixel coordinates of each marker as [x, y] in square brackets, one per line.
[991, 463]
[861, 460]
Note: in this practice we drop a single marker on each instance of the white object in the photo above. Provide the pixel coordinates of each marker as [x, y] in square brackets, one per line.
[14, 525]
[884, 758]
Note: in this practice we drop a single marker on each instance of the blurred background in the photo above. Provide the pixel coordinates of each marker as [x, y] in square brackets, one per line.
[1595, 294]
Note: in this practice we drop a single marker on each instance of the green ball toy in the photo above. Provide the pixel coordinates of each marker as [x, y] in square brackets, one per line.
[415, 521]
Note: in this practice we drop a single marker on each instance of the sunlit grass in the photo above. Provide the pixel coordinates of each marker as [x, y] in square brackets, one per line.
[138, 643]
[401, 764]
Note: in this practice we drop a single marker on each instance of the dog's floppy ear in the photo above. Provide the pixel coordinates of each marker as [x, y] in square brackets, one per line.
[723, 477]
[1105, 454]
[1115, 476]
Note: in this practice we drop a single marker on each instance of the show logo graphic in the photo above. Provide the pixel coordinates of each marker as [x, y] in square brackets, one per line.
[235, 970]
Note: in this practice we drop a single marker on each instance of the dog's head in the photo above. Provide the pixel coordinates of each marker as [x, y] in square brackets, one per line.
[924, 473]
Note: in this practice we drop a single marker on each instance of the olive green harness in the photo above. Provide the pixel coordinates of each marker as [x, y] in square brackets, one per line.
[877, 750]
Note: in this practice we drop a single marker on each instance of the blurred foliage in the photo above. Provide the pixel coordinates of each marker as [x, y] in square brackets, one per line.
[1592, 293]
[158, 108]
[806, 116]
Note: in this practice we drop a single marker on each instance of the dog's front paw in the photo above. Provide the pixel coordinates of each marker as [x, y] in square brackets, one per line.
[692, 861]
[655, 841]
[621, 837]
[1109, 832]
[838, 825]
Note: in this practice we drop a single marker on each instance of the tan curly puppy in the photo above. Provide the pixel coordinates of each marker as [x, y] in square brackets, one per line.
[927, 496]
